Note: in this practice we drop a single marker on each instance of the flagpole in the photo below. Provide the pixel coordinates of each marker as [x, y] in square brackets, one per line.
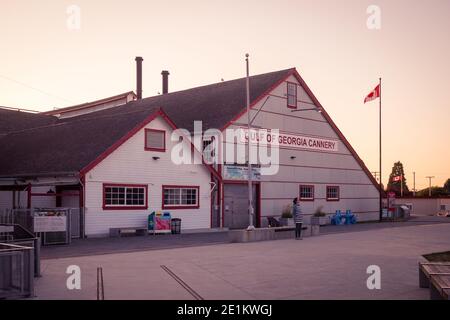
[249, 164]
[381, 175]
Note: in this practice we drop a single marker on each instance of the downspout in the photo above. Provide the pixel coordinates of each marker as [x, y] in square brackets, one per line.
[81, 178]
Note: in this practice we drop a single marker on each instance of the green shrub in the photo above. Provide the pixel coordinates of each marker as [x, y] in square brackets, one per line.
[287, 212]
[319, 212]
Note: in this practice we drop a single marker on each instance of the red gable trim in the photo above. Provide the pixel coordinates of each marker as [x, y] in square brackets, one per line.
[318, 105]
[335, 128]
[253, 103]
[131, 133]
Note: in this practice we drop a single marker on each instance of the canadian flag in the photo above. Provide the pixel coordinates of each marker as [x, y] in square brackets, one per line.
[373, 95]
[397, 178]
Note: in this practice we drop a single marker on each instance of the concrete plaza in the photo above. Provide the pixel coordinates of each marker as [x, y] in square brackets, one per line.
[331, 266]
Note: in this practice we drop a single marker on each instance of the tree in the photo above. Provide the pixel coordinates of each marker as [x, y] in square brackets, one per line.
[396, 186]
[447, 186]
[435, 192]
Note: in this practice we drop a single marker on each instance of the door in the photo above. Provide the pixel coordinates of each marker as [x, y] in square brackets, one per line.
[236, 206]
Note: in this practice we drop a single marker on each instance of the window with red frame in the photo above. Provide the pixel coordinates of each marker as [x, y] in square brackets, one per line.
[292, 95]
[306, 193]
[180, 197]
[155, 140]
[332, 193]
[126, 196]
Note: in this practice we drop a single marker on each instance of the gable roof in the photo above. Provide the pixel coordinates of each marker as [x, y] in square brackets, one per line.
[68, 145]
[52, 146]
[215, 104]
[336, 129]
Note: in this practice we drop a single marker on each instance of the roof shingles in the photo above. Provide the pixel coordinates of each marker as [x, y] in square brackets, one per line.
[38, 144]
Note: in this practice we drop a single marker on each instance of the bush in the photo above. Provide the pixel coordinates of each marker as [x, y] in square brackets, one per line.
[287, 212]
[319, 212]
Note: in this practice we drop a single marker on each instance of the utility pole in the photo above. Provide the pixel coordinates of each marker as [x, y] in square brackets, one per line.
[429, 180]
[414, 188]
[401, 186]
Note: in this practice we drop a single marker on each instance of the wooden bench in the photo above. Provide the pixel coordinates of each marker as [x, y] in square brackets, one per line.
[118, 232]
[440, 287]
[436, 276]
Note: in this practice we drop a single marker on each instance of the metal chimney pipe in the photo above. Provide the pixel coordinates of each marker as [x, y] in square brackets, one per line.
[165, 81]
[139, 77]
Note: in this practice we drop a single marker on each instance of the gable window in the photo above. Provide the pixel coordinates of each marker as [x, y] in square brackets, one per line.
[332, 193]
[180, 197]
[123, 197]
[292, 95]
[155, 140]
[306, 193]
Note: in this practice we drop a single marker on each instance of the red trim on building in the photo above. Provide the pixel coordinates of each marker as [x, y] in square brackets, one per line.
[287, 95]
[308, 186]
[154, 149]
[132, 132]
[174, 207]
[335, 128]
[29, 196]
[117, 207]
[253, 103]
[119, 142]
[317, 104]
[338, 194]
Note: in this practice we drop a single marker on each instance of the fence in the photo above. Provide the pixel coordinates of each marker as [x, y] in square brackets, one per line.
[17, 276]
[25, 218]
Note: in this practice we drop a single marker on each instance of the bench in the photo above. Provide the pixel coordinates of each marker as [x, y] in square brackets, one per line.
[289, 232]
[118, 232]
[436, 276]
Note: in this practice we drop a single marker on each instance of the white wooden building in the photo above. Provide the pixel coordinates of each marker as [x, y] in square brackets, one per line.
[116, 164]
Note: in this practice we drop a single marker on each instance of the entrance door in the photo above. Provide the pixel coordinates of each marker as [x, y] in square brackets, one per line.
[236, 206]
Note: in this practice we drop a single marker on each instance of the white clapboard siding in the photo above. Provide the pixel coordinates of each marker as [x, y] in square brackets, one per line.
[320, 169]
[132, 164]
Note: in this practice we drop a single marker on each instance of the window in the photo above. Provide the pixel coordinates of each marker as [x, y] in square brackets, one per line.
[155, 140]
[332, 193]
[209, 151]
[180, 197]
[307, 193]
[443, 207]
[124, 196]
[292, 95]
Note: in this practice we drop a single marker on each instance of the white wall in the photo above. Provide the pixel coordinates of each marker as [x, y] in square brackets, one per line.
[310, 167]
[131, 164]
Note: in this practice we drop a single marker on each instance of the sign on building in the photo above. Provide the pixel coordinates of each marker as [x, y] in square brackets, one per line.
[236, 172]
[265, 137]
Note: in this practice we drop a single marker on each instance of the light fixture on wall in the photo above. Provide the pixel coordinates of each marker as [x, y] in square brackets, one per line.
[155, 158]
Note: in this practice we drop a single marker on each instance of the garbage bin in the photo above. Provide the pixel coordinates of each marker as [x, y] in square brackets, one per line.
[175, 226]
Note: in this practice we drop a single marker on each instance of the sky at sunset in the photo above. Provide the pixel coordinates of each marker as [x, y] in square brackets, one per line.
[45, 64]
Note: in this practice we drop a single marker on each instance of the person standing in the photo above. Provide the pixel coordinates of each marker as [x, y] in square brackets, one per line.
[298, 219]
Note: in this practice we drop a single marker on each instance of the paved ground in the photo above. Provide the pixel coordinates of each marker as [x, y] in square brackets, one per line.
[332, 266]
[96, 246]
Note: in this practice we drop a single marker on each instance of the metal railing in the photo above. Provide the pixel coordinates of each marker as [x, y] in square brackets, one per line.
[24, 218]
[17, 271]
